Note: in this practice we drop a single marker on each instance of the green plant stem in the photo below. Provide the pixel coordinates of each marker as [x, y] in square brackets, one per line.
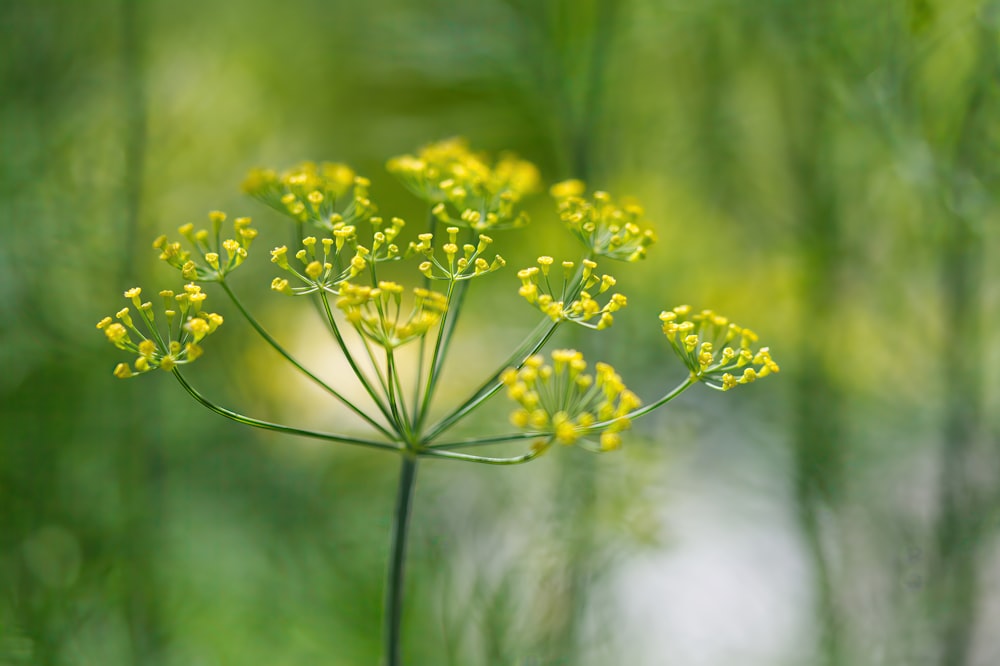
[646, 409]
[426, 284]
[354, 366]
[288, 357]
[435, 363]
[482, 441]
[396, 397]
[465, 457]
[392, 635]
[277, 427]
[461, 289]
[545, 330]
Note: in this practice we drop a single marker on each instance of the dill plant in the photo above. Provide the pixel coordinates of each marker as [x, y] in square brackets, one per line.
[343, 244]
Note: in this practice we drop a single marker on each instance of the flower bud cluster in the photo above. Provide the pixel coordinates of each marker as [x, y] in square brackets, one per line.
[561, 400]
[460, 262]
[320, 194]
[338, 259]
[464, 188]
[376, 312]
[575, 302]
[607, 229]
[186, 326]
[212, 260]
[714, 349]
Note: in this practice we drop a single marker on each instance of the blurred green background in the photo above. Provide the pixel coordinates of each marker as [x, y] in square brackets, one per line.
[826, 173]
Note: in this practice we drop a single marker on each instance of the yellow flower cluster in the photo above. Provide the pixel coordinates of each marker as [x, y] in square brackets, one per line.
[321, 194]
[376, 312]
[212, 260]
[714, 349]
[465, 189]
[606, 228]
[184, 332]
[330, 265]
[575, 301]
[562, 401]
[460, 262]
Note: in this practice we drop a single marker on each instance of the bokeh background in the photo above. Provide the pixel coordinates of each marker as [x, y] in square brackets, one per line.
[826, 173]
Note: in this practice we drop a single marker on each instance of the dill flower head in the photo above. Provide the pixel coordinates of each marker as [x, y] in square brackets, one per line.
[377, 312]
[175, 343]
[571, 406]
[464, 187]
[574, 299]
[458, 262]
[319, 194]
[716, 351]
[213, 258]
[606, 228]
[325, 263]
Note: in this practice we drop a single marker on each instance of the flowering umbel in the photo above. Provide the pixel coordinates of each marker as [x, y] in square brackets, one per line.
[714, 349]
[606, 228]
[568, 404]
[464, 188]
[175, 343]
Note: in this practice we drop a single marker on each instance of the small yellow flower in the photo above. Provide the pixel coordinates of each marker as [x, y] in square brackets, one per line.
[158, 348]
[377, 312]
[204, 264]
[562, 401]
[465, 188]
[574, 299]
[696, 338]
[323, 195]
[606, 228]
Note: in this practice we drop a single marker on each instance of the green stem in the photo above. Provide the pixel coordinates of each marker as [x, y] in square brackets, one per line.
[392, 634]
[481, 441]
[426, 283]
[396, 397]
[277, 427]
[435, 363]
[646, 409]
[354, 366]
[545, 329]
[465, 457]
[680, 388]
[288, 357]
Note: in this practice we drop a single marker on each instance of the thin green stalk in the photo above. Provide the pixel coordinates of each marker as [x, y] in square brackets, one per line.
[646, 409]
[438, 350]
[350, 359]
[288, 357]
[393, 619]
[395, 389]
[492, 385]
[482, 441]
[385, 383]
[277, 427]
[465, 457]
[426, 283]
[462, 288]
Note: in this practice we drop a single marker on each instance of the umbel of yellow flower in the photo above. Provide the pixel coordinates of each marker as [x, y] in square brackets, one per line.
[320, 194]
[376, 312]
[459, 263]
[186, 325]
[574, 301]
[607, 229]
[716, 351]
[212, 260]
[561, 400]
[464, 188]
